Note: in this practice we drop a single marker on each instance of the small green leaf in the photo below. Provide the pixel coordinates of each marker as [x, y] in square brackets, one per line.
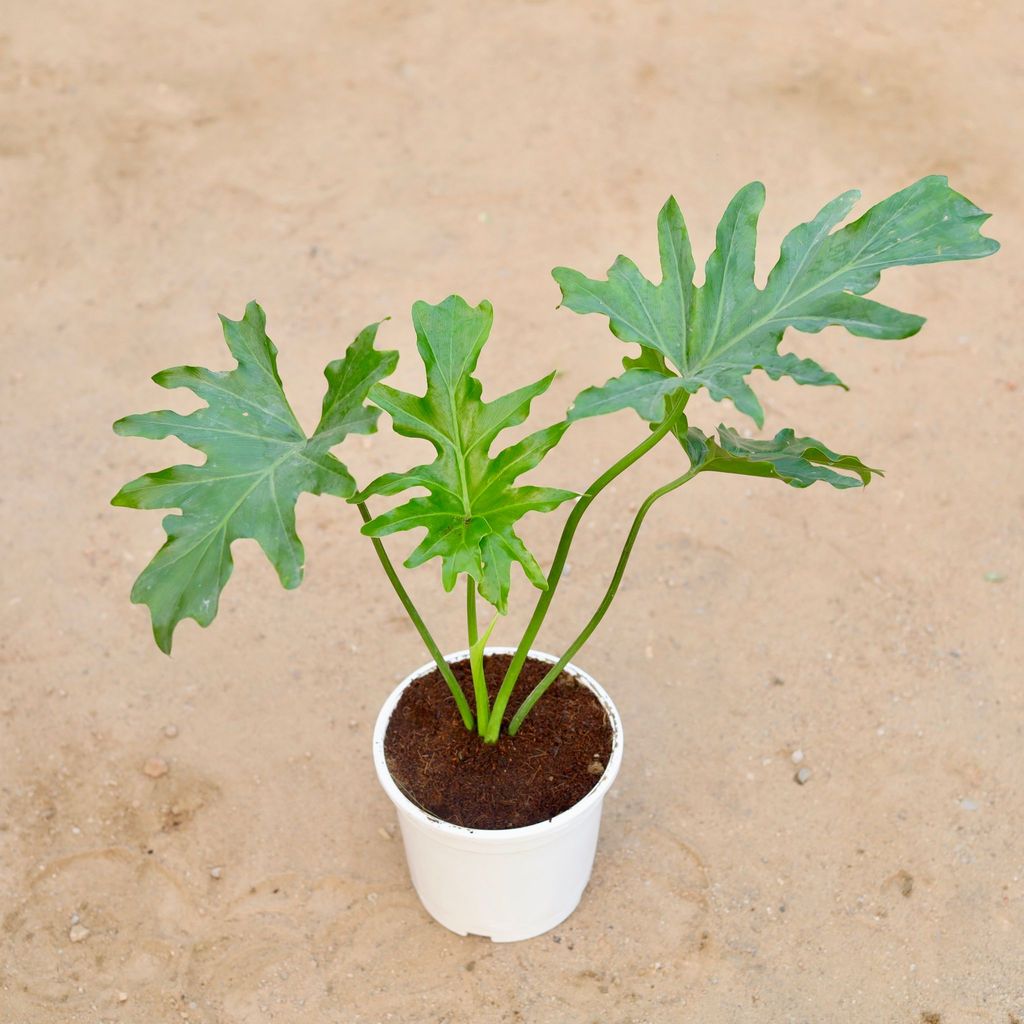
[798, 461]
[471, 504]
[716, 335]
[258, 461]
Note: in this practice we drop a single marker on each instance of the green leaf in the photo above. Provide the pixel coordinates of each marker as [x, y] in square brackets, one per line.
[471, 505]
[716, 335]
[798, 461]
[258, 461]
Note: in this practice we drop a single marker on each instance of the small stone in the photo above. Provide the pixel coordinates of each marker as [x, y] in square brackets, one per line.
[78, 933]
[383, 833]
[595, 768]
[155, 767]
[170, 730]
[802, 776]
[122, 997]
[797, 756]
[968, 805]
[216, 872]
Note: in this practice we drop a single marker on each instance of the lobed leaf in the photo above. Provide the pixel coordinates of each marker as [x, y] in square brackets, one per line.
[258, 461]
[715, 336]
[472, 504]
[798, 461]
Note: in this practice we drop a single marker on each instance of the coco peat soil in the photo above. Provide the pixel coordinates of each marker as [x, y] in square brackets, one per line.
[555, 759]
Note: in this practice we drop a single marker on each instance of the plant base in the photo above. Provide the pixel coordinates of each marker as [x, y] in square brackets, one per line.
[505, 884]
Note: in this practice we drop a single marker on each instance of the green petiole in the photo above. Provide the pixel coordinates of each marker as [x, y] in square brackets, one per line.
[421, 627]
[476, 657]
[541, 688]
[675, 415]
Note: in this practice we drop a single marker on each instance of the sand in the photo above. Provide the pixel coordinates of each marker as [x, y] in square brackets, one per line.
[161, 163]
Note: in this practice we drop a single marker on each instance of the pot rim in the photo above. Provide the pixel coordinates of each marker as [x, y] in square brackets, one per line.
[537, 830]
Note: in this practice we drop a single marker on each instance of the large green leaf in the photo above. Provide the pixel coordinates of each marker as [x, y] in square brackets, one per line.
[258, 461]
[715, 335]
[471, 504]
[798, 461]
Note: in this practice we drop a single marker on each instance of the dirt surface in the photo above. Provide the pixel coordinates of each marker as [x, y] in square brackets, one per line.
[554, 760]
[213, 819]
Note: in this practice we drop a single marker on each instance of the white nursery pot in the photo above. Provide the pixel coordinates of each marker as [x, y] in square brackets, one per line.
[505, 884]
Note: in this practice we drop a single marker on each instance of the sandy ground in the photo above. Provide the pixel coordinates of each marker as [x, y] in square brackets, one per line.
[160, 163]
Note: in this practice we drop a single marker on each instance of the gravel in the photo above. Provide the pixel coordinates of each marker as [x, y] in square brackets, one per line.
[155, 767]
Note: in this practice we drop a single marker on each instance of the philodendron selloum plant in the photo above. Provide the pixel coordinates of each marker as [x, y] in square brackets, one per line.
[469, 498]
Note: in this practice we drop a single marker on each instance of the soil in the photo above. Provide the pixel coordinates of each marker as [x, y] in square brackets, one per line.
[336, 161]
[556, 758]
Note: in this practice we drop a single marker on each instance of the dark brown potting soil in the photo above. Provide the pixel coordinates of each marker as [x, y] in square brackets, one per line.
[554, 760]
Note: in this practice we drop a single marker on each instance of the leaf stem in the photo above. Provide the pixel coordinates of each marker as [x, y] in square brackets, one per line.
[471, 627]
[483, 704]
[541, 688]
[435, 652]
[674, 414]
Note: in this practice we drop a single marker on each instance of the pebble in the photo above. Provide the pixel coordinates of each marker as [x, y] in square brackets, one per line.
[216, 872]
[802, 776]
[170, 731]
[383, 833]
[155, 767]
[797, 756]
[122, 997]
[595, 768]
[78, 933]
[969, 805]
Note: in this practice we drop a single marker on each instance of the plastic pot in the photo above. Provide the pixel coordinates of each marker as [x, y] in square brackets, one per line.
[505, 884]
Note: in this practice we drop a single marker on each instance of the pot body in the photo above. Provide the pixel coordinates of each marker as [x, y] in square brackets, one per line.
[505, 884]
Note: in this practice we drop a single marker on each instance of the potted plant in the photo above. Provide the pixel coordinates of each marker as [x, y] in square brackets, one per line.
[498, 759]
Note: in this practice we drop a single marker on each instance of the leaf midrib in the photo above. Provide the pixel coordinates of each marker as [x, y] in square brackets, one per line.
[773, 314]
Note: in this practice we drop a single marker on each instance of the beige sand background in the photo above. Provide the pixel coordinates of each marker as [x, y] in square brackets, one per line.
[163, 162]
